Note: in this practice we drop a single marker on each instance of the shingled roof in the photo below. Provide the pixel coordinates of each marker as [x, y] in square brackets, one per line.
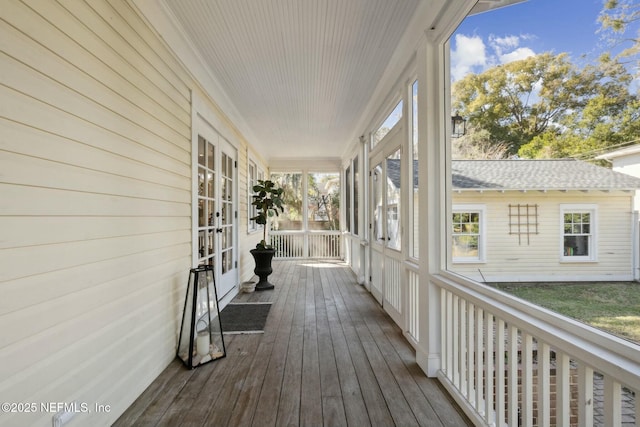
[543, 175]
[561, 174]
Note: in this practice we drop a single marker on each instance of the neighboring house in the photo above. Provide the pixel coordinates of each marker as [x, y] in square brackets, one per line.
[542, 220]
[625, 160]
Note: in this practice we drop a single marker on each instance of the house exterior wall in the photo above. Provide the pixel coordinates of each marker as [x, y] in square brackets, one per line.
[628, 164]
[95, 205]
[538, 258]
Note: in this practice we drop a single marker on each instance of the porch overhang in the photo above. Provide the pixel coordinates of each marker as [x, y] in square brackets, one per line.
[301, 79]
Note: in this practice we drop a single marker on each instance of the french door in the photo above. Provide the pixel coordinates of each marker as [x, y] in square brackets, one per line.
[217, 209]
[386, 229]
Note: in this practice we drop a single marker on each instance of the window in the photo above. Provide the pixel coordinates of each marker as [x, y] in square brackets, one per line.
[388, 124]
[467, 233]
[415, 200]
[347, 198]
[253, 175]
[394, 201]
[578, 232]
[351, 176]
[356, 176]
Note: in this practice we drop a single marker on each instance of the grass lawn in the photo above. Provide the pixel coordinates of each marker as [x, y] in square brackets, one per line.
[610, 306]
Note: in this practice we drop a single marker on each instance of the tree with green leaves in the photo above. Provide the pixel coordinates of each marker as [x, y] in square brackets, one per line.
[620, 23]
[607, 118]
[546, 106]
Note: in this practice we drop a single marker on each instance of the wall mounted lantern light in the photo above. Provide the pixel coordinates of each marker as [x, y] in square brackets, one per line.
[458, 126]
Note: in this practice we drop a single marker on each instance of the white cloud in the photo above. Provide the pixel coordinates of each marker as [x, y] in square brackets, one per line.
[502, 43]
[469, 55]
[516, 55]
[472, 54]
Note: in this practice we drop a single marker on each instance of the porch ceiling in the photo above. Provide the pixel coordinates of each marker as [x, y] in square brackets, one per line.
[301, 73]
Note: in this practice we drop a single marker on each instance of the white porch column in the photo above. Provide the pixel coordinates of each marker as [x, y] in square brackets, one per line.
[432, 89]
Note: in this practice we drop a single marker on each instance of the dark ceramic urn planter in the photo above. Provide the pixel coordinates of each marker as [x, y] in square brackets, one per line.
[263, 268]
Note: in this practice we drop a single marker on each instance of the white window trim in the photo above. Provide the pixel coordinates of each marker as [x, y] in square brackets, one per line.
[593, 242]
[348, 190]
[252, 227]
[481, 258]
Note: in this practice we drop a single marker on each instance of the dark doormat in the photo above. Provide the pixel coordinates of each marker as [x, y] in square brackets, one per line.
[244, 318]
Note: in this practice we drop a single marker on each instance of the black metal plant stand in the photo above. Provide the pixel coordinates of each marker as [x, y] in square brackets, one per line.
[200, 340]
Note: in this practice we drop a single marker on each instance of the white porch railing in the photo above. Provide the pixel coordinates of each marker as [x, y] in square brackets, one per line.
[307, 244]
[512, 363]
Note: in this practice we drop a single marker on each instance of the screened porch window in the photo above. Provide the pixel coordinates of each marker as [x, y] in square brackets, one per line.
[292, 217]
[323, 201]
[392, 119]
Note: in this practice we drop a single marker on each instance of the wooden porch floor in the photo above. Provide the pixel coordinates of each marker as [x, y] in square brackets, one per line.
[329, 356]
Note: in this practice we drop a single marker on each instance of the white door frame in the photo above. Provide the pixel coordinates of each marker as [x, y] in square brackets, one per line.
[204, 123]
[381, 256]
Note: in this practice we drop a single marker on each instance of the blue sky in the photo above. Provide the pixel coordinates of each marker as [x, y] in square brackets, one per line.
[525, 29]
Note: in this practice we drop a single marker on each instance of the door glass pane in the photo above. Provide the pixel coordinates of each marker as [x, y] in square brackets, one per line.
[394, 174]
[211, 208]
[210, 238]
[378, 232]
[201, 181]
[202, 143]
[210, 185]
[202, 214]
[225, 266]
[211, 156]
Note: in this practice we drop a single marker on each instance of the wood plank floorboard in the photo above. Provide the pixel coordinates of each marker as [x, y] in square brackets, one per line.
[329, 356]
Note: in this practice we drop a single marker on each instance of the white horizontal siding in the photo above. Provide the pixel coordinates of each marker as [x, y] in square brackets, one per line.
[538, 256]
[95, 205]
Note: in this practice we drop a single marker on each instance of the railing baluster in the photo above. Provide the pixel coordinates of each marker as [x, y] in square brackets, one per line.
[464, 350]
[512, 387]
[471, 393]
[544, 385]
[563, 388]
[455, 340]
[636, 404]
[585, 395]
[449, 336]
[488, 368]
[612, 402]
[479, 361]
[527, 380]
[500, 377]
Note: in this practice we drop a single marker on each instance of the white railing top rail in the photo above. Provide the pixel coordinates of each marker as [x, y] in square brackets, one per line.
[607, 354]
[293, 232]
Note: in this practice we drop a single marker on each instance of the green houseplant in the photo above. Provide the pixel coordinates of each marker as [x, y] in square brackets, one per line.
[268, 201]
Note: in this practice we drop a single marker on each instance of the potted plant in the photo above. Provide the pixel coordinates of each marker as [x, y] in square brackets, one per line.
[268, 201]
